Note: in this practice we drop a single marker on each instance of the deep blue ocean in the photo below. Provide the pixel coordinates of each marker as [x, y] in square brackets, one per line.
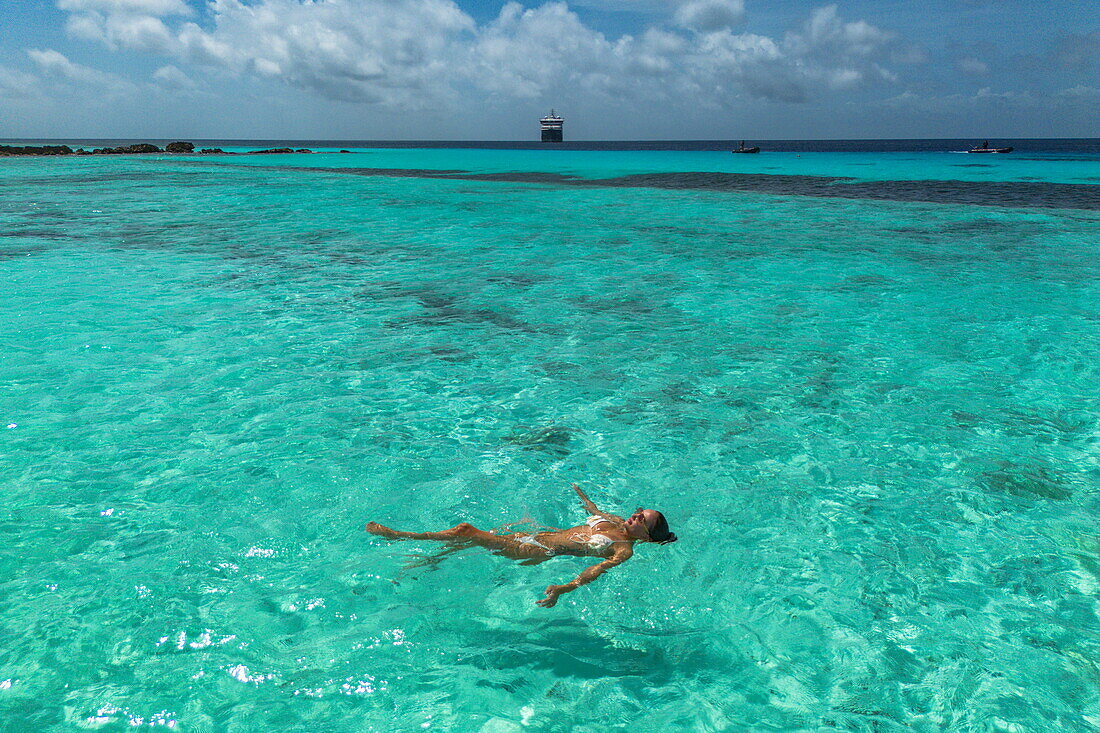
[858, 377]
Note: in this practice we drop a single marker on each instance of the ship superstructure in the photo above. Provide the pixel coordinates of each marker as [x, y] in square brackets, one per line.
[551, 127]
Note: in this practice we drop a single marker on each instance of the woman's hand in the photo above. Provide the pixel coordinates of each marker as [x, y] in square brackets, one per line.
[552, 593]
[585, 501]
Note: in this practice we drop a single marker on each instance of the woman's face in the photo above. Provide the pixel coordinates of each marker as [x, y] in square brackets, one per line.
[639, 524]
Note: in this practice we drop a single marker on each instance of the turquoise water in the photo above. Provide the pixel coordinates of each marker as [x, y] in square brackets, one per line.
[923, 166]
[873, 424]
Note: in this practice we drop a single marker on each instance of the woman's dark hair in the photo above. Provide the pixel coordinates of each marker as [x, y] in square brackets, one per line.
[659, 532]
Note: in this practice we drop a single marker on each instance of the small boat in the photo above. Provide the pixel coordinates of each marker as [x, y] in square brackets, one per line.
[743, 149]
[984, 148]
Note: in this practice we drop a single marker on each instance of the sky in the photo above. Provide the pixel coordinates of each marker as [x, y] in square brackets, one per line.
[488, 69]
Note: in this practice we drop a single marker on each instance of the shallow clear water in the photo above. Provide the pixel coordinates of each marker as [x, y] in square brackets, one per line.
[873, 424]
[920, 166]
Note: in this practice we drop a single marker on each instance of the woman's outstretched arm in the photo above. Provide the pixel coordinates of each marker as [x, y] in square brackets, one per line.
[587, 576]
[591, 508]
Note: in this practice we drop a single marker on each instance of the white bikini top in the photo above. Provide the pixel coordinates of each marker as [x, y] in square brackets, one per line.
[597, 541]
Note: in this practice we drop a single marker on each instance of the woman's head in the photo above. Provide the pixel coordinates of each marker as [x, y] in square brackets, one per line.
[649, 525]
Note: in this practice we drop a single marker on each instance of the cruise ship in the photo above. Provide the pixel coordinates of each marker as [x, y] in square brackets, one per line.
[551, 127]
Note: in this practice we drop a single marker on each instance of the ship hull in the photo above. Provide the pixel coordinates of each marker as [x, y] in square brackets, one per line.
[551, 136]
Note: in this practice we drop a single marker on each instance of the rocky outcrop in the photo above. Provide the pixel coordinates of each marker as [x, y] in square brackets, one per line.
[175, 147]
[128, 149]
[35, 150]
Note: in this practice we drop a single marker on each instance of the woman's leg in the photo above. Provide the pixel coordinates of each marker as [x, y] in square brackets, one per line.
[465, 532]
[462, 531]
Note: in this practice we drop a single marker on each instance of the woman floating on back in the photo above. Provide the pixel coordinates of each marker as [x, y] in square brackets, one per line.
[603, 535]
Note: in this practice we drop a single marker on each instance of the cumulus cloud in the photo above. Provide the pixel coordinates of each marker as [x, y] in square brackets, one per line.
[827, 37]
[57, 65]
[15, 84]
[523, 53]
[530, 52]
[757, 64]
[825, 53]
[171, 78]
[54, 76]
[407, 53]
[131, 24]
[395, 52]
[710, 15]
